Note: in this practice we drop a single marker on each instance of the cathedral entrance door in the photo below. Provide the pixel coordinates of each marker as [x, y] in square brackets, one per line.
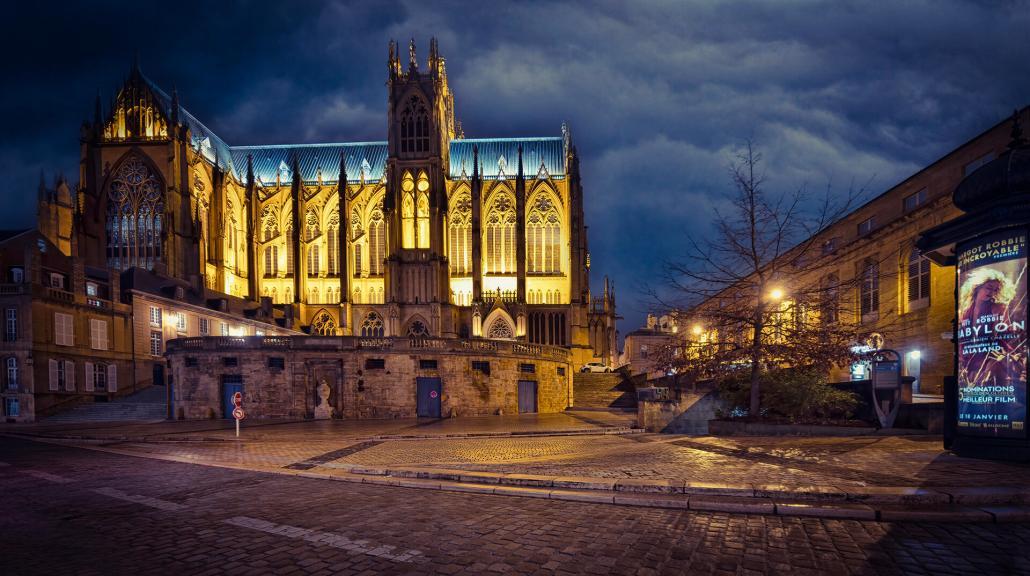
[428, 399]
[527, 397]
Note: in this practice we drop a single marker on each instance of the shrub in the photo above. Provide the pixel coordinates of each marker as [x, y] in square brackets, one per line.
[792, 393]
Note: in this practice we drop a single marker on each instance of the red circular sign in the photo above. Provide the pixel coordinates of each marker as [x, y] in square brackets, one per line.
[238, 414]
[432, 394]
[237, 399]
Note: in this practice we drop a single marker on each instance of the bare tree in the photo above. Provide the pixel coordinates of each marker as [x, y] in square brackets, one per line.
[758, 292]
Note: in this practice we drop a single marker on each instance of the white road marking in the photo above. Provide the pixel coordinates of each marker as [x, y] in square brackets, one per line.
[144, 500]
[47, 476]
[327, 538]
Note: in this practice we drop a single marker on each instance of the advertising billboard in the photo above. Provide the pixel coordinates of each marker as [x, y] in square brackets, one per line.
[992, 344]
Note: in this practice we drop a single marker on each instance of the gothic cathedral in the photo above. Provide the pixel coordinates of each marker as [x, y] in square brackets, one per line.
[428, 234]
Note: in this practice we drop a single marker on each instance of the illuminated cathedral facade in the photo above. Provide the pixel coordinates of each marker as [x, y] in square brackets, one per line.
[427, 234]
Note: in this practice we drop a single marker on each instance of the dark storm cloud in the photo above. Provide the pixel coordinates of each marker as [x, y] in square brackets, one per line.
[658, 94]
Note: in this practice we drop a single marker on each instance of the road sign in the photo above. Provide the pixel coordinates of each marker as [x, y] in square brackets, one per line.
[238, 414]
[237, 399]
[433, 394]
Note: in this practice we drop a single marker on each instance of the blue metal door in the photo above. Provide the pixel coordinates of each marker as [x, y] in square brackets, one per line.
[428, 399]
[527, 397]
[231, 384]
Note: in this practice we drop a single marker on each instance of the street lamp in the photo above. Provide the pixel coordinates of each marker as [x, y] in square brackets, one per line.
[697, 330]
[776, 294]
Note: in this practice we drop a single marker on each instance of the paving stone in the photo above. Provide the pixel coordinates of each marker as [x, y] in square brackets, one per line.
[732, 504]
[825, 510]
[940, 514]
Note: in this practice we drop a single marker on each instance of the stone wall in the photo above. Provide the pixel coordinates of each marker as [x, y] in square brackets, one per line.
[359, 388]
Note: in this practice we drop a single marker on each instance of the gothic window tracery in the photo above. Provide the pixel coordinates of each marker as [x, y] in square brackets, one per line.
[372, 326]
[324, 324]
[270, 224]
[543, 236]
[414, 135]
[333, 239]
[500, 235]
[500, 330]
[376, 241]
[408, 211]
[135, 210]
[460, 235]
[417, 329]
[311, 226]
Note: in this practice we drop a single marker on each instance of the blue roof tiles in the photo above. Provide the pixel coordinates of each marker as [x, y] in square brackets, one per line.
[501, 154]
[271, 162]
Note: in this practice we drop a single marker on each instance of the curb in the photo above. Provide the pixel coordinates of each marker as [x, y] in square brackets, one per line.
[711, 502]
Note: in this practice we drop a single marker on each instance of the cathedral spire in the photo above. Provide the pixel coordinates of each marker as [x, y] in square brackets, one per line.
[412, 58]
[250, 169]
[391, 59]
[175, 106]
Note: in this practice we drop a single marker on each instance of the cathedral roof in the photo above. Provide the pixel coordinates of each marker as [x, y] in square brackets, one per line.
[497, 155]
[365, 160]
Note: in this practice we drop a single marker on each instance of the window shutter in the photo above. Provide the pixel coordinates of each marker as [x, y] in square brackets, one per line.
[112, 378]
[53, 374]
[89, 376]
[69, 375]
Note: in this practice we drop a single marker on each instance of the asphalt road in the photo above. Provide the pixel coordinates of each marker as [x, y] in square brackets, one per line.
[66, 510]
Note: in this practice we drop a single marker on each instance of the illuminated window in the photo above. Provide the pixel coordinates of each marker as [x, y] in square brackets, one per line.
[313, 262]
[271, 261]
[918, 277]
[155, 316]
[333, 238]
[376, 241]
[289, 251]
[422, 212]
[155, 343]
[460, 235]
[324, 324]
[500, 235]
[357, 260]
[408, 211]
[135, 207]
[543, 237]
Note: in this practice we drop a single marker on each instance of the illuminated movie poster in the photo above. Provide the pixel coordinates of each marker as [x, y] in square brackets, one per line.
[992, 345]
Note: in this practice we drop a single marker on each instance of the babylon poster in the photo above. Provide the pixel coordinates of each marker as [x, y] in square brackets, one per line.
[992, 339]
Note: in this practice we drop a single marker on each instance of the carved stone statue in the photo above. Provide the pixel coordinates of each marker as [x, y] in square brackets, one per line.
[323, 411]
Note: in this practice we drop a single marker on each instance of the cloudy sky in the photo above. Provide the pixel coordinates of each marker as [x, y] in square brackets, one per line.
[658, 94]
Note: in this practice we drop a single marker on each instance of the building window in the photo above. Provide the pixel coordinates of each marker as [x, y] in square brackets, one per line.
[829, 246]
[62, 375]
[11, 328]
[357, 260]
[97, 334]
[460, 234]
[543, 232]
[11, 407]
[829, 309]
[12, 373]
[91, 289]
[324, 324]
[155, 316]
[427, 364]
[972, 166]
[230, 361]
[225, 329]
[481, 366]
[180, 322]
[333, 249]
[561, 370]
[16, 275]
[914, 200]
[500, 235]
[918, 278]
[135, 209]
[289, 251]
[202, 326]
[313, 261]
[414, 127]
[64, 330]
[271, 261]
[373, 326]
[527, 368]
[277, 362]
[57, 281]
[869, 290]
[99, 376]
[375, 363]
[866, 226]
[376, 241]
[155, 343]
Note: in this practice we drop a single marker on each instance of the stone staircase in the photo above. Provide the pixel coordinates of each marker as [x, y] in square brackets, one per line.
[146, 405]
[597, 391]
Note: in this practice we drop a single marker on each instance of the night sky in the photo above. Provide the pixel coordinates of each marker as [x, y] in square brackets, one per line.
[658, 95]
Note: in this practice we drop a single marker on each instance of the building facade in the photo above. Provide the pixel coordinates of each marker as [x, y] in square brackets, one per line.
[425, 234]
[893, 293]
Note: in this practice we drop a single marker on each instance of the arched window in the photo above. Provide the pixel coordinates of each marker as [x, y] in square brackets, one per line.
[357, 260]
[869, 289]
[918, 277]
[313, 261]
[460, 235]
[271, 261]
[333, 239]
[289, 250]
[414, 127]
[543, 237]
[500, 235]
[417, 329]
[311, 227]
[376, 242]
[408, 211]
[357, 295]
[422, 212]
[269, 224]
[373, 326]
[12, 373]
[313, 296]
[500, 330]
[324, 324]
[135, 209]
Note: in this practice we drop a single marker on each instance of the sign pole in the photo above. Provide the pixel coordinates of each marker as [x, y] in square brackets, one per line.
[237, 427]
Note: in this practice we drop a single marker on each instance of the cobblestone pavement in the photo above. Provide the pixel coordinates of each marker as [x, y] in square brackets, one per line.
[841, 462]
[72, 511]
